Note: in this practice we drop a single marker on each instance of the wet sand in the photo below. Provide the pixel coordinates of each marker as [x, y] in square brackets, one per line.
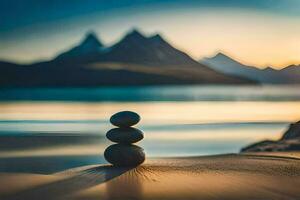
[232, 176]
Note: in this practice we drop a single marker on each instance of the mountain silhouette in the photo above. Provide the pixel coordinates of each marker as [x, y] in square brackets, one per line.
[227, 65]
[147, 50]
[134, 60]
[86, 51]
[134, 47]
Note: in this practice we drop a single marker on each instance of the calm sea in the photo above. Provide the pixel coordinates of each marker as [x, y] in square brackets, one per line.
[48, 130]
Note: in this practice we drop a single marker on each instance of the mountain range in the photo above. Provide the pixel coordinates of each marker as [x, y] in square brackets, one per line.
[134, 60]
[225, 64]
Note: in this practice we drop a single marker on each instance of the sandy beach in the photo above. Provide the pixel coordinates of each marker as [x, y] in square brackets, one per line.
[231, 176]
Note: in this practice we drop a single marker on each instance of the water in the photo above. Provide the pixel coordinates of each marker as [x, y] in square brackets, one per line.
[48, 130]
[158, 93]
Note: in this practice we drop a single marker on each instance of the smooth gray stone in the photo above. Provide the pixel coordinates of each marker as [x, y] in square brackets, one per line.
[125, 135]
[124, 155]
[125, 119]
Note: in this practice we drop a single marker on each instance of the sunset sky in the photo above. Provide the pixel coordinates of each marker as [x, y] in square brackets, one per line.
[256, 32]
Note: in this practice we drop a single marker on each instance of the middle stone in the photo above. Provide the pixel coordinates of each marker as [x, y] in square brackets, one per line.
[127, 135]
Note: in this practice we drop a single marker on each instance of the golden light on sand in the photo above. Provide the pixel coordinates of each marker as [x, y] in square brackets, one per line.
[219, 177]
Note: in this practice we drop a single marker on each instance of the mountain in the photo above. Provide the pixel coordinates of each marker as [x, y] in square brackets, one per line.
[147, 50]
[225, 64]
[134, 60]
[292, 73]
[87, 50]
[134, 47]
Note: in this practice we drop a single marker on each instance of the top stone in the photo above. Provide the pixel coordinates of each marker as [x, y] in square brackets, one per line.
[125, 119]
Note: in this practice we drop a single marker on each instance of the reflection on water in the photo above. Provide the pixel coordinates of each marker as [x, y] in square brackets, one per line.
[48, 136]
[47, 141]
[151, 112]
[157, 93]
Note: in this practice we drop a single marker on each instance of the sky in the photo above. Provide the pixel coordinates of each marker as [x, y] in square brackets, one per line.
[257, 32]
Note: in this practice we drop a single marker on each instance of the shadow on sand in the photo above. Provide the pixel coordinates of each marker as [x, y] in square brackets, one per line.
[79, 181]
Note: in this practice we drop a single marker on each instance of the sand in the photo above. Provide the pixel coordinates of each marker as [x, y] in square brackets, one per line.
[233, 176]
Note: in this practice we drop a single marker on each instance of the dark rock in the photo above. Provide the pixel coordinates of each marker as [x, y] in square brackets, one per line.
[124, 155]
[125, 119]
[290, 141]
[257, 146]
[274, 146]
[125, 135]
[293, 132]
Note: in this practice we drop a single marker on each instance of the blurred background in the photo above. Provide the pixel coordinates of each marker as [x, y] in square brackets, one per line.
[207, 77]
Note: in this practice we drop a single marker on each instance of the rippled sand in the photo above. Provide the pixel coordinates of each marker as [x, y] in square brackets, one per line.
[210, 177]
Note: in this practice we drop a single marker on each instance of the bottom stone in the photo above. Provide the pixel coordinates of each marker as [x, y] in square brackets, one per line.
[124, 155]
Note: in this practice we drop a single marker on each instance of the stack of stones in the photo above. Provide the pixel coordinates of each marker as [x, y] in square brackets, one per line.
[124, 153]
